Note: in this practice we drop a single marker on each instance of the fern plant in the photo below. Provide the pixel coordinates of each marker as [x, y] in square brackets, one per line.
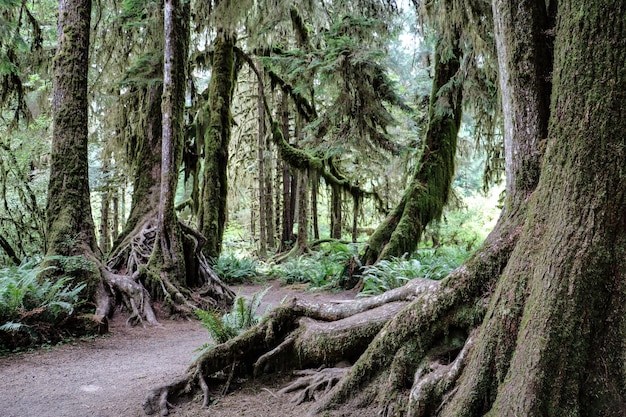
[242, 316]
[432, 264]
[388, 274]
[320, 269]
[234, 270]
[25, 299]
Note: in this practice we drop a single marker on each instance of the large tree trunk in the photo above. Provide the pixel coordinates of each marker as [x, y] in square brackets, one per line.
[212, 216]
[428, 191]
[565, 287]
[70, 227]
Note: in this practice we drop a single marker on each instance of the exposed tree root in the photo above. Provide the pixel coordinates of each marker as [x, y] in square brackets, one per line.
[408, 345]
[133, 284]
[313, 383]
[296, 335]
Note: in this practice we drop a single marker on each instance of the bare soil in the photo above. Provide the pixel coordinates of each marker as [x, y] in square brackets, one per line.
[110, 376]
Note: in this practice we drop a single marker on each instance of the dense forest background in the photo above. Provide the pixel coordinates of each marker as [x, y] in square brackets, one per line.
[351, 87]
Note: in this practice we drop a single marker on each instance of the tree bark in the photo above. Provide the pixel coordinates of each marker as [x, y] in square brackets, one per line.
[105, 202]
[167, 254]
[569, 267]
[212, 216]
[336, 222]
[288, 201]
[70, 227]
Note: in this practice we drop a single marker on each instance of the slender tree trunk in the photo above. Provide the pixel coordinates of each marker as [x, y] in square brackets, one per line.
[315, 187]
[335, 212]
[115, 224]
[427, 194]
[212, 216]
[303, 212]
[261, 170]
[105, 235]
[287, 190]
[105, 203]
[356, 207]
[269, 196]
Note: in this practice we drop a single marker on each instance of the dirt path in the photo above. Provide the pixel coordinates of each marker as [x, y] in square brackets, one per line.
[110, 376]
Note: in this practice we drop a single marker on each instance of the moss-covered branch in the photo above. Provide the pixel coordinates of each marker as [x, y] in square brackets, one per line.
[299, 158]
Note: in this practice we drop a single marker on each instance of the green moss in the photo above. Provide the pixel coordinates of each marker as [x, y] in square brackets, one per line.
[212, 216]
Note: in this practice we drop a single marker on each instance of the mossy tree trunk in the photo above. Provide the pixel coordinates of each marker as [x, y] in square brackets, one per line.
[558, 314]
[427, 193]
[70, 227]
[212, 215]
[147, 165]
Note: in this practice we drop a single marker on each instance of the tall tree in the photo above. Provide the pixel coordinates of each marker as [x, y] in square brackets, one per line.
[534, 323]
[212, 217]
[153, 236]
[70, 228]
[167, 254]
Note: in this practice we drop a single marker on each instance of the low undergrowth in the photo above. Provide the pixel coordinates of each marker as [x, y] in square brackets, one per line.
[233, 269]
[320, 269]
[432, 264]
[33, 310]
[242, 316]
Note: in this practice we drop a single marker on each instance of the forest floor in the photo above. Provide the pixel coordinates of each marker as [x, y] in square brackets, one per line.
[110, 376]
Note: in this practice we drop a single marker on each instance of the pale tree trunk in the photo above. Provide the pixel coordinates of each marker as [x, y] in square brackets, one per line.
[167, 254]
